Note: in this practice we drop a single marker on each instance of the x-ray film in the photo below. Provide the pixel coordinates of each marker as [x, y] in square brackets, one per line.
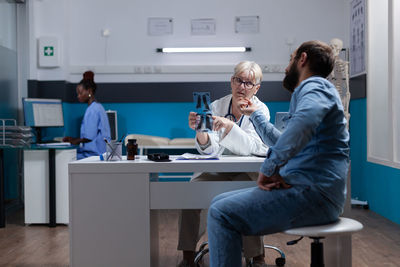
[204, 116]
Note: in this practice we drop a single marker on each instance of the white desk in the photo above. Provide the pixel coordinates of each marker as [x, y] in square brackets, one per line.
[36, 185]
[111, 222]
[110, 205]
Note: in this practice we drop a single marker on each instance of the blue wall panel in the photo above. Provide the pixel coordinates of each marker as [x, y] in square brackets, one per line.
[358, 147]
[160, 119]
[377, 184]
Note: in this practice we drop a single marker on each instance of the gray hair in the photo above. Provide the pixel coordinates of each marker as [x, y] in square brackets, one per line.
[253, 68]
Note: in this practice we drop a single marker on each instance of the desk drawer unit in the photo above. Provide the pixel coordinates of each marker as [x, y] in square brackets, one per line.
[36, 185]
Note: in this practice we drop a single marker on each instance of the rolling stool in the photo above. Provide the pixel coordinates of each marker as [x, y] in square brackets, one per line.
[344, 226]
[203, 250]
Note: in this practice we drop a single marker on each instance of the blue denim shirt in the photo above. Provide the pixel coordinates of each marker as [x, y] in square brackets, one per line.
[314, 147]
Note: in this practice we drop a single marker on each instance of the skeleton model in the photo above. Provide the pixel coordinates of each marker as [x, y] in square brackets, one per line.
[340, 77]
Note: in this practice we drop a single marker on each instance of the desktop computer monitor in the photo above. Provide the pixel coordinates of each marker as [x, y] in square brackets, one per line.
[41, 112]
[112, 119]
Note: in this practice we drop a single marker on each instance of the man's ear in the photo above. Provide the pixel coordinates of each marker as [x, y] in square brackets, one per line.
[303, 59]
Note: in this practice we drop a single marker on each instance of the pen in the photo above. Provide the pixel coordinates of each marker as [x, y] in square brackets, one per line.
[122, 138]
[112, 149]
[109, 145]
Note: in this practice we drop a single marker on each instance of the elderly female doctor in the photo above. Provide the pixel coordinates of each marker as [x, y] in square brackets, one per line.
[95, 126]
[233, 133]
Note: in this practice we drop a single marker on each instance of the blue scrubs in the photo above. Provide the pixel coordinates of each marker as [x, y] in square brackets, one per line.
[94, 127]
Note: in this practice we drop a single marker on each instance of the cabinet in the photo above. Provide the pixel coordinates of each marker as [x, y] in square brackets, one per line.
[36, 184]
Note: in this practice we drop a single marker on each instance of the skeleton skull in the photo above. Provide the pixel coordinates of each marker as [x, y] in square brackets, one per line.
[336, 45]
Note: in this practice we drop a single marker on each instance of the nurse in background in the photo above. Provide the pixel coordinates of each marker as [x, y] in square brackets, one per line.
[95, 126]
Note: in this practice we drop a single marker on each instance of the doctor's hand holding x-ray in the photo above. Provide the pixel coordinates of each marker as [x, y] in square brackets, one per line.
[218, 124]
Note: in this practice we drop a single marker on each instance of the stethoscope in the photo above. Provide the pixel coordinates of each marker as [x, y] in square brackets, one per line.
[232, 117]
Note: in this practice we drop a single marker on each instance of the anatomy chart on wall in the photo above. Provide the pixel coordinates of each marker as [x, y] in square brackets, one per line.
[357, 37]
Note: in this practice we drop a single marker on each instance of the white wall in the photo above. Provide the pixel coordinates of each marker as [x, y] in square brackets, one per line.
[396, 77]
[383, 83]
[378, 101]
[78, 25]
[7, 25]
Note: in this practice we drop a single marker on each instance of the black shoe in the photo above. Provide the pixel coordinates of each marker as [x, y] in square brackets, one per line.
[184, 263]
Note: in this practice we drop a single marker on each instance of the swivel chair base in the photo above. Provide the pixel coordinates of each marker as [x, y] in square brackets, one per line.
[203, 250]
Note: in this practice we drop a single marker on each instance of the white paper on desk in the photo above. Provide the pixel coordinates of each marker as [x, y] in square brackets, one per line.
[197, 156]
[215, 155]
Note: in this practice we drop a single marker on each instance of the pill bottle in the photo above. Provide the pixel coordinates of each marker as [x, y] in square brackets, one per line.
[131, 149]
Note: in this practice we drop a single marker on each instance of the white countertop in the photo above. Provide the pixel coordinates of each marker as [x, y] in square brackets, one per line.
[143, 165]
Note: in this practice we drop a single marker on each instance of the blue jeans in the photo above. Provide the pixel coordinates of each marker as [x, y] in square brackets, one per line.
[253, 211]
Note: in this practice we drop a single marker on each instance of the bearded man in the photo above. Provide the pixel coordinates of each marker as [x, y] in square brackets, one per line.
[302, 181]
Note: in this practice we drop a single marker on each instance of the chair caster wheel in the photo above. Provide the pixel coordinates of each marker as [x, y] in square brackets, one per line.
[280, 261]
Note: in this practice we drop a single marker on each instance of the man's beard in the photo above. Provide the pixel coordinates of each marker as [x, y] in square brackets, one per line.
[292, 78]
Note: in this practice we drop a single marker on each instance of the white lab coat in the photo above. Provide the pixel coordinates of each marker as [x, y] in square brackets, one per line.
[243, 140]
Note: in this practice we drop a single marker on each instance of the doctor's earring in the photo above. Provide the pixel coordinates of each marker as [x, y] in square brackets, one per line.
[90, 95]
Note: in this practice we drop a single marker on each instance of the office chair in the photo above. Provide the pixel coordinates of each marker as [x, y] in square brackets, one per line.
[344, 226]
[203, 250]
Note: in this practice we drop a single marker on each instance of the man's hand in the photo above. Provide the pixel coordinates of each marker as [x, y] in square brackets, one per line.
[245, 106]
[273, 182]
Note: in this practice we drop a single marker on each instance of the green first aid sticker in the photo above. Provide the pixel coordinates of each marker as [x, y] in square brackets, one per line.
[48, 51]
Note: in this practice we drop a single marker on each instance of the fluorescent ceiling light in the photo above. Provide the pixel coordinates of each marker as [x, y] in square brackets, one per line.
[203, 49]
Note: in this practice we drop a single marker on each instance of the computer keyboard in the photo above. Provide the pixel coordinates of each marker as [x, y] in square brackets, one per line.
[55, 144]
[48, 141]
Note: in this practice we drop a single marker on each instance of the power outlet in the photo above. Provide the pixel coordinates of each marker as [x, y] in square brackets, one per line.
[148, 69]
[138, 69]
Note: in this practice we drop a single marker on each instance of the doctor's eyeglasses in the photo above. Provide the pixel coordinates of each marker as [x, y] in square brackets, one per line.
[247, 85]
